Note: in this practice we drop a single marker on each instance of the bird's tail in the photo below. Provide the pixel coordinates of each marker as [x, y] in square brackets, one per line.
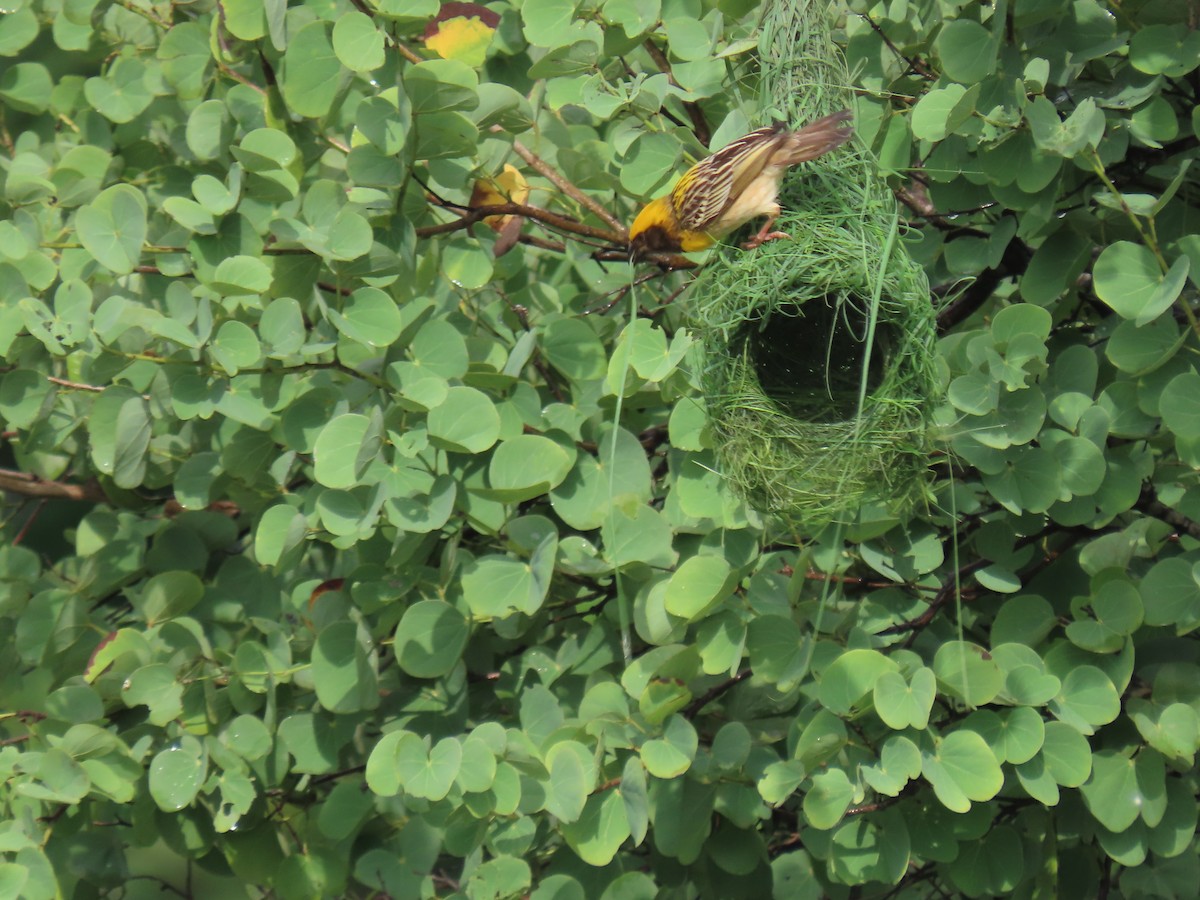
[819, 137]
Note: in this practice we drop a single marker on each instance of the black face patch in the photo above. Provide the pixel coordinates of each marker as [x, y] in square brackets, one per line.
[654, 239]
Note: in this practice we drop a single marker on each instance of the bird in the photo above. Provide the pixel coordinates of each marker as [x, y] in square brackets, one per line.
[738, 183]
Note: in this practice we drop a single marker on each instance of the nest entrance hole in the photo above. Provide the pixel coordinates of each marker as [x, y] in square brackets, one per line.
[809, 359]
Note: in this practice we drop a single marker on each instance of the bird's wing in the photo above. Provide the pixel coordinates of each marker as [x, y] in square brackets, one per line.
[707, 188]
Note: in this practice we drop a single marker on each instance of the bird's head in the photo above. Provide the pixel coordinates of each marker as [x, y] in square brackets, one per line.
[654, 230]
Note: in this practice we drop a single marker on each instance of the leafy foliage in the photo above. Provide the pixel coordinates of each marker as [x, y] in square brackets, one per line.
[350, 550]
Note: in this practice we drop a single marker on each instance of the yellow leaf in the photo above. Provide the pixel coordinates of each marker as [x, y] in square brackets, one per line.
[464, 39]
[509, 186]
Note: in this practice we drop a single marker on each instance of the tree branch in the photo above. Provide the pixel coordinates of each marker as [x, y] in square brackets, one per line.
[31, 486]
[561, 223]
[1152, 506]
[556, 178]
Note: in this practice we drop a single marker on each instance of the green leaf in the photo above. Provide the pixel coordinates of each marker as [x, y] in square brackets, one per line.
[567, 60]
[281, 327]
[961, 768]
[903, 704]
[1113, 793]
[1164, 50]
[177, 773]
[122, 93]
[60, 779]
[899, 763]
[248, 737]
[187, 59]
[344, 669]
[567, 789]
[478, 770]
[1179, 405]
[672, 754]
[940, 111]
[827, 800]
[441, 85]
[156, 687]
[429, 776]
[26, 87]
[242, 275]
[548, 23]
[245, 19]
[868, 852]
[496, 586]
[584, 497]
[600, 830]
[112, 228]
[502, 876]
[777, 648]
[370, 317]
[635, 534]
[850, 678]
[468, 267]
[572, 347]
[357, 42]
[1170, 594]
[382, 773]
[465, 422]
[527, 466]
[648, 163]
[635, 799]
[281, 528]
[430, 639]
[1129, 280]
[311, 75]
[1088, 699]
[968, 671]
[698, 586]
[344, 449]
[967, 51]
[23, 393]
[1014, 735]
[1083, 128]
[235, 347]
[18, 29]
[120, 435]
[1174, 730]
[1140, 350]
[169, 594]
[265, 150]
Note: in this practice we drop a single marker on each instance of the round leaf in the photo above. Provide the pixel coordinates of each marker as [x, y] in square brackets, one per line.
[112, 228]
[430, 639]
[176, 775]
[466, 421]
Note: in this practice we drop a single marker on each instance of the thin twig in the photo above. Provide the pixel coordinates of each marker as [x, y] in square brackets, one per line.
[914, 64]
[620, 293]
[29, 523]
[144, 13]
[561, 223]
[695, 113]
[556, 178]
[74, 385]
[713, 693]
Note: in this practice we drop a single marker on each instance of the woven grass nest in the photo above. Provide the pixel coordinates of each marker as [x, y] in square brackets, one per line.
[818, 363]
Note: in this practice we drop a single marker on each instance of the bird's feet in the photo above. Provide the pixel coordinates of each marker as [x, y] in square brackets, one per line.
[763, 236]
